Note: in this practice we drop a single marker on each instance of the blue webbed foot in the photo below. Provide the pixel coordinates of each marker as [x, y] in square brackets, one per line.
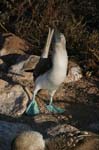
[54, 109]
[33, 108]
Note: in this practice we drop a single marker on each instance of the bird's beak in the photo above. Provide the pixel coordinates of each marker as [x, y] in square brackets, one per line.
[56, 37]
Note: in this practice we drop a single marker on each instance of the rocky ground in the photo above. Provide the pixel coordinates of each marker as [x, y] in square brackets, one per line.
[79, 98]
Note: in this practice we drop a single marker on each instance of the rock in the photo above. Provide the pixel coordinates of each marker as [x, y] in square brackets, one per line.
[3, 84]
[73, 141]
[29, 141]
[13, 100]
[31, 62]
[23, 78]
[90, 143]
[23, 63]
[66, 141]
[13, 45]
[8, 131]
[74, 72]
[79, 140]
[17, 72]
[64, 128]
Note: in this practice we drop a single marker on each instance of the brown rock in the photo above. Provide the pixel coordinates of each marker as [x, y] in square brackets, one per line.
[73, 142]
[13, 45]
[90, 143]
[3, 84]
[62, 128]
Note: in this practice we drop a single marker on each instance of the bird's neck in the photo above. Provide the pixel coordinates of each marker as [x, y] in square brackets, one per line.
[60, 59]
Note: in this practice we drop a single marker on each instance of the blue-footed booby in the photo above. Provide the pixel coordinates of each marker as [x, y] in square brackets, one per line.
[54, 76]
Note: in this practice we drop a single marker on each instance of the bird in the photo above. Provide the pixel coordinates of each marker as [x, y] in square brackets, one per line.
[55, 74]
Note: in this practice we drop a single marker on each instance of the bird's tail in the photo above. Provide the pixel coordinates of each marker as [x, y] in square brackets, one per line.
[48, 43]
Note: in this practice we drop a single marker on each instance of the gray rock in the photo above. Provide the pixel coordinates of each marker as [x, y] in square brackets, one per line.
[23, 63]
[13, 100]
[18, 71]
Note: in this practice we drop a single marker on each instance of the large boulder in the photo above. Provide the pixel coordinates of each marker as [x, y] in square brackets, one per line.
[11, 47]
[13, 98]
[12, 44]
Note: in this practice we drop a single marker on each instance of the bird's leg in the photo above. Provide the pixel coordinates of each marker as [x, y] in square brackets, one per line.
[33, 108]
[51, 107]
[51, 94]
[51, 100]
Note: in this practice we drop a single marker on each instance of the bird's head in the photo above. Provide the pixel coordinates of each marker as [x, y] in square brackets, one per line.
[59, 39]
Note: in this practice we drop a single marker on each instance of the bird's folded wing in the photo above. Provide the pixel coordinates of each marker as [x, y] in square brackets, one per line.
[43, 66]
